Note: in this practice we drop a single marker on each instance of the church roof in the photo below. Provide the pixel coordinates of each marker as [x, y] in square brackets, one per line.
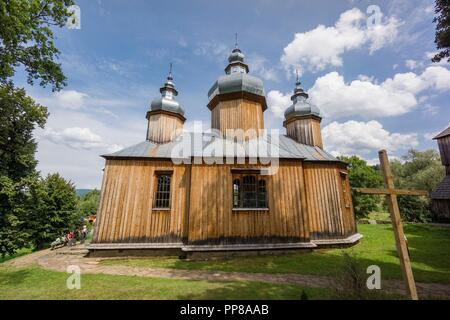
[443, 134]
[167, 101]
[442, 192]
[237, 82]
[301, 105]
[237, 79]
[288, 148]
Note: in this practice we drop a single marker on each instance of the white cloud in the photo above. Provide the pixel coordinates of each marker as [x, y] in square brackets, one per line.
[411, 64]
[213, 48]
[363, 138]
[278, 102]
[70, 99]
[75, 137]
[324, 46]
[365, 97]
[259, 66]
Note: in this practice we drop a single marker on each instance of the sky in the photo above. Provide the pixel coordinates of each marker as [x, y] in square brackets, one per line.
[367, 68]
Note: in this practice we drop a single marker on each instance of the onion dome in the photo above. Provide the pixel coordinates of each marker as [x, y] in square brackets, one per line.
[167, 100]
[237, 79]
[301, 107]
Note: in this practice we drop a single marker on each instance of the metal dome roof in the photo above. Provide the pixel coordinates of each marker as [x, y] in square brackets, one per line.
[165, 104]
[237, 78]
[236, 55]
[301, 106]
[237, 82]
[167, 100]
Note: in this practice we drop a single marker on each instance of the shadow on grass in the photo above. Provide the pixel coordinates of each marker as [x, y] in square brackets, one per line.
[14, 276]
[258, 291]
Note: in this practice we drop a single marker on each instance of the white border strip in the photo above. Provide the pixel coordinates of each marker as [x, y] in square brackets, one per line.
[352, 239]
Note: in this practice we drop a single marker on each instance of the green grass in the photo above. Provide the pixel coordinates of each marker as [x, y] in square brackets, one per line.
[383, 216]
[19, 253]
[36, 283]
[429, 248]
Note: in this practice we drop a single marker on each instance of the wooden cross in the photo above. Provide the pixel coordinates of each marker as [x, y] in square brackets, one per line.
[391, 193]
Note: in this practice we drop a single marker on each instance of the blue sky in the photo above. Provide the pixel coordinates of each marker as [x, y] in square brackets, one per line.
[374, 83]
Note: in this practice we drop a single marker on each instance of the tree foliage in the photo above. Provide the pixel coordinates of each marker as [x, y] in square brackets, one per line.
[87, 204]
[418, 170]
[362, 175]
[442, 38]
[34, 211]
[19, 116]
[27, 40]
[55, 211]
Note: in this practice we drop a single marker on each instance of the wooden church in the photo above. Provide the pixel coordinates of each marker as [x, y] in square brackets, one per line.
[152, 203]
[440, 197]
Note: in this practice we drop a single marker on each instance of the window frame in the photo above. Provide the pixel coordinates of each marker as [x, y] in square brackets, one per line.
[157, 174]
[240, 175]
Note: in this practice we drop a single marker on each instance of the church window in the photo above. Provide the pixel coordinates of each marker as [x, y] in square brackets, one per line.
[249, 192]
[162, 196]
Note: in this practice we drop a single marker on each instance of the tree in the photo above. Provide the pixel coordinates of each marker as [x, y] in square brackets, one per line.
[362, 175]
[87, 204]
[55, 212]
[16, 203]
[442, 38]
[26, 39]
[19, 116]
[418, 170]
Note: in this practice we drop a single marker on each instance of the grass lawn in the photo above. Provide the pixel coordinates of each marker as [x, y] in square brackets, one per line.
[36, 283]
[429, 248]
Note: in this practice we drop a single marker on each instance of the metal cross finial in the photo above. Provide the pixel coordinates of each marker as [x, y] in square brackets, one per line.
[170, 77]
[236, 40]
[298, 79]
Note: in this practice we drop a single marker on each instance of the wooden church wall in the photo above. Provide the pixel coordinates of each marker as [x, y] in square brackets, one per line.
[304, 199]
[126, 214]
[212, 219]
[239, 113]
[330, 210]
[162, 127]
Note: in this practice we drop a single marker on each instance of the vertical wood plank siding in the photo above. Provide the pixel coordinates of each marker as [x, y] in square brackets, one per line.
[212, 219]
[306, 131]
[125, 212]
[330, 210]
[162, 127]
[305, 200]
[240, 113]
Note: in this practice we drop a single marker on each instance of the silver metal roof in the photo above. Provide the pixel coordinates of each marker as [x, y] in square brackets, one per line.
[236, 82]
[167, 100]
[165, 104]
[287, 148]
[301, 106]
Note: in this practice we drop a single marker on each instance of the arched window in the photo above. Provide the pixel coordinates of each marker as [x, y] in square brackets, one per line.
[236, 193]
[249, 191]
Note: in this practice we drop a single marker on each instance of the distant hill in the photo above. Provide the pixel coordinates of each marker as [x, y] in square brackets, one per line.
[82, 192]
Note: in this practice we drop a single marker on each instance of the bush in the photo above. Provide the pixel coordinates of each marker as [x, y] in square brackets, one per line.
[362, 175]
[414, 209]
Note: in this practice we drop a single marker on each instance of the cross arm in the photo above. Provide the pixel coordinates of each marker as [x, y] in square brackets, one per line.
[391, 191]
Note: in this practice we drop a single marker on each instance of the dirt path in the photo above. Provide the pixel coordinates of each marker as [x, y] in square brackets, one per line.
[60, 259]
